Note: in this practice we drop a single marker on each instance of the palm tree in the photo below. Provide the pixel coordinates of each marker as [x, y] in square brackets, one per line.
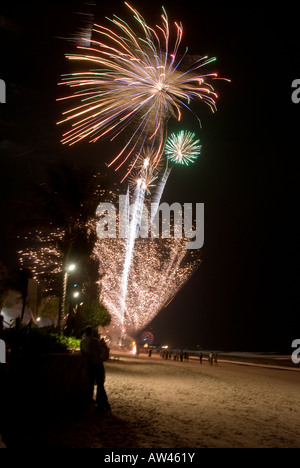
[67, 204]
[19, 283]
[4, 285]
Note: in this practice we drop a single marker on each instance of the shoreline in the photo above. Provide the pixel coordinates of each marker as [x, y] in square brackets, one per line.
[263, 360]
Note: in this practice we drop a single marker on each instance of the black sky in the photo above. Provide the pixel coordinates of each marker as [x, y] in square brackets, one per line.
[245, 294]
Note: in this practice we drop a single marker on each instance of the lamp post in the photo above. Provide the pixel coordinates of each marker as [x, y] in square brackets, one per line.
[62, 299]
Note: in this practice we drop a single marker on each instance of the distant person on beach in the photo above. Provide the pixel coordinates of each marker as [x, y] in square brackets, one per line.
[200, 357]
[210, 359]
[96, 352]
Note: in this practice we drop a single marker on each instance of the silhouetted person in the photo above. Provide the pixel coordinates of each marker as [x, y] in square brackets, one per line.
[201, 357]
[216, 359]
[96, 352]
[150, 352]
[210, 359]
[1, 323]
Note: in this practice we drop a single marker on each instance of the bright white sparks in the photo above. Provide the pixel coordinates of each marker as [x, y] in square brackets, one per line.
[160, 268]
[140, 277]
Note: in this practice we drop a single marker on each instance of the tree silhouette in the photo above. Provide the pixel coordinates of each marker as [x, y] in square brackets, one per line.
[4, 285]
[65, 208]
[19, 282]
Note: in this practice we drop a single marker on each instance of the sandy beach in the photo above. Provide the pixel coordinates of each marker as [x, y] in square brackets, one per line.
[165, 404]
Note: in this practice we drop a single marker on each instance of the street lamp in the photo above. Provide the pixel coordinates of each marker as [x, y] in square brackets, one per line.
[62, 298]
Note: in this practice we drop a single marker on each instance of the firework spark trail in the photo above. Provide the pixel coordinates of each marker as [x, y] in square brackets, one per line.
[158, 194]
[135, 222]
[137, 82]
[143, 181]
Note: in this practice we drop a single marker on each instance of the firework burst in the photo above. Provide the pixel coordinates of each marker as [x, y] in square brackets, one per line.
[140, 276]
[136, 81]
[160, 268]
[144, 175]
[182, 148]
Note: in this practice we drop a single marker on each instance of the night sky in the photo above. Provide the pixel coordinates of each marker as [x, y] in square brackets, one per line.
[244, 296]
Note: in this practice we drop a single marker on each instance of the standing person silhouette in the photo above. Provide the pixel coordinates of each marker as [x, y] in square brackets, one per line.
[96, 352]
[216, 359]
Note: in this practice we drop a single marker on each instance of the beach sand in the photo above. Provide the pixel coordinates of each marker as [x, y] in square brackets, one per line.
[165, 404]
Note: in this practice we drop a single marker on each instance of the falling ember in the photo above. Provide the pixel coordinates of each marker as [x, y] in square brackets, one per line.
[133, 80]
